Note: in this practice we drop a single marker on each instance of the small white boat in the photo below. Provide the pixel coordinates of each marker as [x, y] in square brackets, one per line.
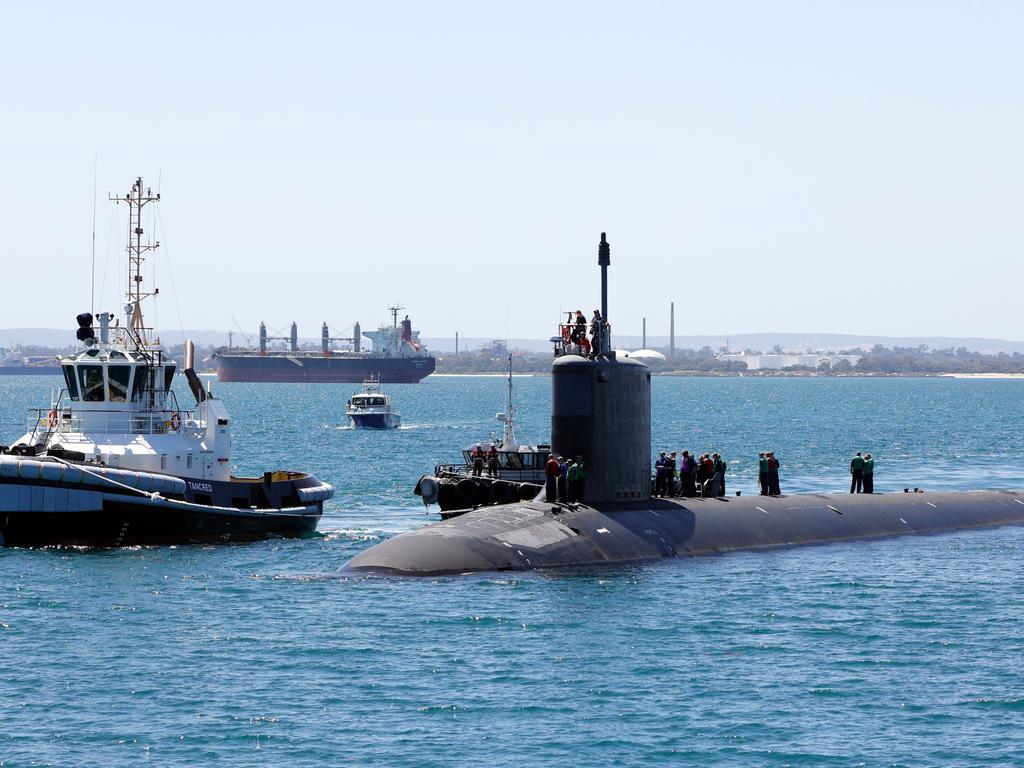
[372, 409]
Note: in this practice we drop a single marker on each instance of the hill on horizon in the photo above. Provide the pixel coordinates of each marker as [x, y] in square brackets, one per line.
[830, 342]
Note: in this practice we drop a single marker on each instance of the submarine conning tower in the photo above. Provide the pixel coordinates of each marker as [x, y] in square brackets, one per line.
[601, 410]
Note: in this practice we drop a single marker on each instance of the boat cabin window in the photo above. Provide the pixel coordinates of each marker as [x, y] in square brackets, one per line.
[69, 379]
[139, 384]
[168, 377]
[91, 379]
[365, 402]
[513, 460]
[118, 378]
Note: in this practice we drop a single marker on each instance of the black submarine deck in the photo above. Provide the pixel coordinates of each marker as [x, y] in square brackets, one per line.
[539, 535]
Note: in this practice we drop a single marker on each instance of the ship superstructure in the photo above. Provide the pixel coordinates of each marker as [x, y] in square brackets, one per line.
[115, 458]
[397, 357]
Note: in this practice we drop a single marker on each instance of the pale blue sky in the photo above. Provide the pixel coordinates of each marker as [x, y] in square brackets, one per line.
[769, 166]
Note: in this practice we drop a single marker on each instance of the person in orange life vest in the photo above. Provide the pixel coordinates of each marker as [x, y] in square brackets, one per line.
[477, 457]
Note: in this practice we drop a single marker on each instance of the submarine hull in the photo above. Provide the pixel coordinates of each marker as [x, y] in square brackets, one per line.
[538, 535]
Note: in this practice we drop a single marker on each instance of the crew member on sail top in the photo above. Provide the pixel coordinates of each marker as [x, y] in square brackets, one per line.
[580, 332]
[596, 324]
[857, 474]
[869, 473]
[762, 472]
[551, 473]
[477, 456]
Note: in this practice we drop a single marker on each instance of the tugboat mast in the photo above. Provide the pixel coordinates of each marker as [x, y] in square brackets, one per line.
[137, 199]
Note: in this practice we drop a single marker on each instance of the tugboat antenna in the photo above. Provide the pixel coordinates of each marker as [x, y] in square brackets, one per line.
[137, 199]
[92, 285]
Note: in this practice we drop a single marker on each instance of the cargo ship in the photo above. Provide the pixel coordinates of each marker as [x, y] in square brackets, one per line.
[12, 363]
[397, 357]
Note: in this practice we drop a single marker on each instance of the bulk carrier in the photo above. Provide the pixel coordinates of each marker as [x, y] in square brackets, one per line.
[397, 357]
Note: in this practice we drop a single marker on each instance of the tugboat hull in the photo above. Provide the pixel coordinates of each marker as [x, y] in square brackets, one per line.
[125, 524]
[49, 503]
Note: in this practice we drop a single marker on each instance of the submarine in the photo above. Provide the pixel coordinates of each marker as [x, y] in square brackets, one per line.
[601, 410]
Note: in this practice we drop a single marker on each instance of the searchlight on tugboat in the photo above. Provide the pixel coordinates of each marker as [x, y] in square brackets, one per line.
[115, 460]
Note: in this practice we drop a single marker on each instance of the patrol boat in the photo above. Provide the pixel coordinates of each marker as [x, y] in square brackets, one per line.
[519, 474]
[371, 408]
[115, 460]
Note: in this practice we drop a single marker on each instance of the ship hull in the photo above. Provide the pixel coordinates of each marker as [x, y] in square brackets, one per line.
[30, 370]
[375, 421]
[46, 503]
[123, 523]
[274, 368]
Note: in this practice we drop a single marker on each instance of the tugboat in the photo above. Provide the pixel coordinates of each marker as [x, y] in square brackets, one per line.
[509, 472]
[371, 408]
[116, 461]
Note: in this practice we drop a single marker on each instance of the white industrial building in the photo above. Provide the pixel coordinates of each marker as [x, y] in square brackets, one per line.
[786, 360]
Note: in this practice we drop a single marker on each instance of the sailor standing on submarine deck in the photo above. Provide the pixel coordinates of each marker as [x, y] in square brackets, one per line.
[551, 473]
[762, 472]
[857, 473]
[869, 473]
[773, 475]
[719, 466]
[660, 474]
[563, 479]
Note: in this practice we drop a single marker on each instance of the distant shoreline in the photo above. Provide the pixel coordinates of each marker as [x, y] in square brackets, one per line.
[764, 375]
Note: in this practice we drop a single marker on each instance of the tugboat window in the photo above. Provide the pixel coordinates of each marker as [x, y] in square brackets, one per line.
[168, 377]
[118, 376]
[69, 379]
[91, 378]
[138, 385]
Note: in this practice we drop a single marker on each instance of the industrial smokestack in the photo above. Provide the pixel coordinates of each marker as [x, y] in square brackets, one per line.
[672, 331]
[644, 344]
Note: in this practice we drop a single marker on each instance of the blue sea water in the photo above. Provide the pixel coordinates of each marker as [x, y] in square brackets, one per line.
[905, 652]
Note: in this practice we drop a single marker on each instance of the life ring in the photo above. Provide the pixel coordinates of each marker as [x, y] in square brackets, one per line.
[565, 333]
[175, 421]
[51, 419]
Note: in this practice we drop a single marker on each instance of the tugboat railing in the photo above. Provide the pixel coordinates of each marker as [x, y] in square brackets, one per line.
[458, 471]
[96, 422]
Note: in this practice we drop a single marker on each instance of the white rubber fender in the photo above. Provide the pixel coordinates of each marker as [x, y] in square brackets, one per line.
[428, 490]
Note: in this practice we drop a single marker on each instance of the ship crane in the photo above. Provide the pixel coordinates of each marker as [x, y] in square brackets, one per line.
[326, 338]
[292, 339]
